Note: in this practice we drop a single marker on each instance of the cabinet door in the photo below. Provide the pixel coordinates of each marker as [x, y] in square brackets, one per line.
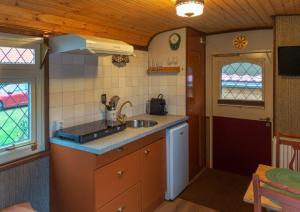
[196, 102]
[153, 168]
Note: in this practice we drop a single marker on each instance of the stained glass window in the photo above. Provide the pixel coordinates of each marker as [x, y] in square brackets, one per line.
[242, 81]
[22, 122]
[10, 55]
[15, 116]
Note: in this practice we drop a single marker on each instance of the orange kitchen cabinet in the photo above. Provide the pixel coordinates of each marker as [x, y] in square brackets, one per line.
[153, 168]
[130, 178]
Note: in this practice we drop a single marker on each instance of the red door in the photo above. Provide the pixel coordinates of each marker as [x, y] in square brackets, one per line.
[240, 145]
[242, 101]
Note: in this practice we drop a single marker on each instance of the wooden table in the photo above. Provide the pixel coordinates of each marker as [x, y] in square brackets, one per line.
[249, 197]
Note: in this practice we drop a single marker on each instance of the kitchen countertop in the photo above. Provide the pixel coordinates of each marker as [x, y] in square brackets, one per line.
[108, 143]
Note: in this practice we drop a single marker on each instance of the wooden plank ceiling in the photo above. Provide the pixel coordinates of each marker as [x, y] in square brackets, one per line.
[136, 21]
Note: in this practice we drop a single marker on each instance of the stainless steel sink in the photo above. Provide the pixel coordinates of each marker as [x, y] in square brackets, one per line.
[140, 123]
[149, 123]
[134, 123]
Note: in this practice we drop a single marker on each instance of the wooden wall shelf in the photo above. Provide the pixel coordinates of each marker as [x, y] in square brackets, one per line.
[152, 70]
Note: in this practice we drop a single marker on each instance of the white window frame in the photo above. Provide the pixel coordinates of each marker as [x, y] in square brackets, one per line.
[12, 73]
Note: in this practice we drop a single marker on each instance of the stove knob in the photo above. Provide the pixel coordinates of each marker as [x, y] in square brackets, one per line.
[95, 135]
[118, 128]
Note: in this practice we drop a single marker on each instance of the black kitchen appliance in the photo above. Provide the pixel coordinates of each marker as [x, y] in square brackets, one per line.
[90, 131]
[158, 106]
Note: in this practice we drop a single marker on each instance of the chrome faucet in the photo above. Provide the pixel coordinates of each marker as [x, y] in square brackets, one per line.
[121, 117]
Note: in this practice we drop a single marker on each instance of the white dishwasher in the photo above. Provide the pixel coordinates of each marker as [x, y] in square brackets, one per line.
[177, 160]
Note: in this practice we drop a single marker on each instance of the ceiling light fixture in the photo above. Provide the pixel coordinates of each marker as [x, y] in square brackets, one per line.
[189, 8]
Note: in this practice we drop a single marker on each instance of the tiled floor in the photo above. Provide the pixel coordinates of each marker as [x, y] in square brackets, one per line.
[180, 205]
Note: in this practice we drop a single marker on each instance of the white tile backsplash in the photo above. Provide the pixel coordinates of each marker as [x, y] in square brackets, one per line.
[172, 86]
[77, 82]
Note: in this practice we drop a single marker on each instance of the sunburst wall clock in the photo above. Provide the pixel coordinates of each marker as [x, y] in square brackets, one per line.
[240, 42]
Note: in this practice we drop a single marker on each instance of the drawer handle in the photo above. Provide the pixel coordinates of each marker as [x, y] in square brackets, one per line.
[120, 173]
[120, 209]
[147, 151]
[120, 149]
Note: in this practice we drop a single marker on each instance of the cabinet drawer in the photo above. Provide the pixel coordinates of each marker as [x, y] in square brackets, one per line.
[113, 155]
[116, 177]
[129, 201]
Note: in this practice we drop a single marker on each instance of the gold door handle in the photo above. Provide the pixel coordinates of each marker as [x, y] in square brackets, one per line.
[147, 151]
[120, 173]
[268, 119]
[121, 209]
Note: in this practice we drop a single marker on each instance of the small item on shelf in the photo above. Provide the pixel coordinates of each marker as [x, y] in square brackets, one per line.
[172, 61]
[163, 70]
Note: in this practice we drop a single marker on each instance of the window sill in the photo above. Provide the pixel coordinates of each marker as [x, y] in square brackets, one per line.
[24, 160]
[241, 103]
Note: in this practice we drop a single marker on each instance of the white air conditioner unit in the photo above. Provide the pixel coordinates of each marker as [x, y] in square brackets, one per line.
[81, 44]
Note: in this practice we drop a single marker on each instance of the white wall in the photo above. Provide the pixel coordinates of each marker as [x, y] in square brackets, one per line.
[172, 86]
[77, 82]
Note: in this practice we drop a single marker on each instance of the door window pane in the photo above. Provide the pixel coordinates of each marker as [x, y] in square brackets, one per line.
[242, 81]
[15, 118]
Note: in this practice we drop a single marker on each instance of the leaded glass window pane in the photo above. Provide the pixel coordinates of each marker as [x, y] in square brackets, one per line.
[10, 55]
[242, 81]
[15, 116]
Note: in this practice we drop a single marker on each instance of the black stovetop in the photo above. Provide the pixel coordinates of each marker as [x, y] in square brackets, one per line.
[90, 131]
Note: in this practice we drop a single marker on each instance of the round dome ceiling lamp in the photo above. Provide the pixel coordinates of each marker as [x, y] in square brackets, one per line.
[189, 8]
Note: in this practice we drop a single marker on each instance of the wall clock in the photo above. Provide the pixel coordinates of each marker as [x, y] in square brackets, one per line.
[174, 41]
[240, 42]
